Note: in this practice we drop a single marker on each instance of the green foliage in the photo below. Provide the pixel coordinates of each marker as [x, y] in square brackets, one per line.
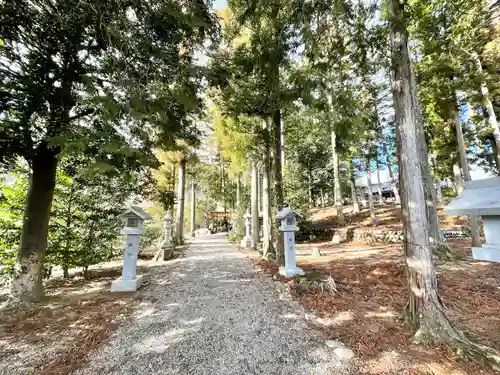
[83, 228]
[12, 200]
[110, 69]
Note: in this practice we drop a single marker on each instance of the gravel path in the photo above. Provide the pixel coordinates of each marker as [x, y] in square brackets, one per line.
[214, 314]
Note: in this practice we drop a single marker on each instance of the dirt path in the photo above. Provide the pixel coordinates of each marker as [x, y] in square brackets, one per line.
[215, 314]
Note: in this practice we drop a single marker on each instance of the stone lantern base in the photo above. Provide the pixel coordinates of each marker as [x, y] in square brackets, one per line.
[291, 272]
[488, 252]
[127, 285]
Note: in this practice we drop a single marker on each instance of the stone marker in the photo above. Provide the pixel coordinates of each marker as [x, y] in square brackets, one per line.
[246, 242]
[134, 227]
[481, 198]
[288, 226]
[167, 245]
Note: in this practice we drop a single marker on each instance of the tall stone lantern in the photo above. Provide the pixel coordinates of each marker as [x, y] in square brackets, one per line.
[246, 242]
[133, 220]
[288, 218]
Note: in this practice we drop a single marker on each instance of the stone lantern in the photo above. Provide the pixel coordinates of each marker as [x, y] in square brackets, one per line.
[246, 242]
[133, 219]
[167, 245]
[481, 198]
[288, 218]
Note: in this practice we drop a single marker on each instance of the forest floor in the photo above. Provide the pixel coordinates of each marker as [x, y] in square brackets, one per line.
[77, 316]
[389, 215]
[80, 318]
[365, 310]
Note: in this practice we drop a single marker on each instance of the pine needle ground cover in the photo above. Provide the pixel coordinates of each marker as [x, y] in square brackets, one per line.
[365, 310]
[55, 337]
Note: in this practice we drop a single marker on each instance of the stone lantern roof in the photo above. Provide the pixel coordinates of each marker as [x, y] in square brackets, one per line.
[480, 198]
[135, 210]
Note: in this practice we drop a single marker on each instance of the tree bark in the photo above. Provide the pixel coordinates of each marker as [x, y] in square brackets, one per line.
[425, 310]
[373, 217]
[474, 228]
[67, 245]
[395, 190]
[438, 243]
[193, 209]
[458, 181]
[489, 107]
[377, 165]
[179, 227]
[336, 176]
[255, 206]
[278, 185]
[238, 224]
[267, 244]
[352, 182]
[27, 283]
[309, 187]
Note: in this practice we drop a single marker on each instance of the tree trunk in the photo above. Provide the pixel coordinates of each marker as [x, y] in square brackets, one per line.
[68, 243]
[337, 187]
[458, 181]
[439, 246]
[425, 310]
[322, 197]
[352, 182]
[377, 165]
[267, 244]
[439, 192]
[27, 282]
[259, 190]
[179, 227]
[278, 184]
[476, 239]
[309, 188]
[238, 224]
[489, 107]
[282, 146]
[255, 206]
[395, 190]
[373, 217]
[193, 209]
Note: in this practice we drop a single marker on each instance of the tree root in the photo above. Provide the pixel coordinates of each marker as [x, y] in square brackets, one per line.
[461, 346]
[435, 327]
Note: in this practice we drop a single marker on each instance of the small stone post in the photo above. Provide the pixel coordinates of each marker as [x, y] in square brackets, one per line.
[167, 245]
[134, 228]
[288, 226]
[246, 242]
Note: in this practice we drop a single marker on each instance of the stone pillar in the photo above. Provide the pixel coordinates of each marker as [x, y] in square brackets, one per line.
[289, 227]
[246, 242]
[255, 206]
[193, 209]
[167, 245]
[179, 230]
[129, 281]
